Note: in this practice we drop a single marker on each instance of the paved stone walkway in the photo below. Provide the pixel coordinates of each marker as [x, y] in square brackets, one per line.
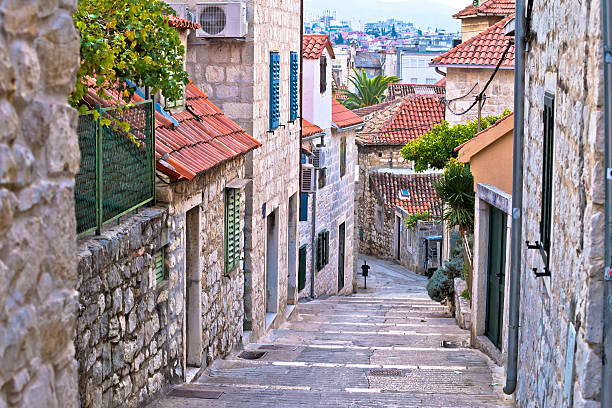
[378, 348]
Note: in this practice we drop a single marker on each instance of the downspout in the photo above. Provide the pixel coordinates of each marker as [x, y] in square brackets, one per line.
[439, 71]
[606, 373]
[517, 199]
[312, 243]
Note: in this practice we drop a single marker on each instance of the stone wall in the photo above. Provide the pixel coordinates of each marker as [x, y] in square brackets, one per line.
[412, 250]
[335, 205]
[221, 295]
[565, 58]
[500, 93]
[473, 26]
[128, 340]
[39, 157]
[376, 225]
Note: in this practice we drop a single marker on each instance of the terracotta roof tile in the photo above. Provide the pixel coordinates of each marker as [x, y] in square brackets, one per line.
[369, 111]
[395, 91]
[488, 8]
[309, 129]
[343, 117]
[441, 82]
[421, 194]
[406, 121]
[183, 23]
[484, 49]
[314, 44]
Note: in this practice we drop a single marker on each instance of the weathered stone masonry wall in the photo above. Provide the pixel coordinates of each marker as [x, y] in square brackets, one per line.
[567, 48]
[39, 157]
[128, 341]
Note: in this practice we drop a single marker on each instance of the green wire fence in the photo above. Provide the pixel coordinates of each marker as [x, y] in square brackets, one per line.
[117, 173]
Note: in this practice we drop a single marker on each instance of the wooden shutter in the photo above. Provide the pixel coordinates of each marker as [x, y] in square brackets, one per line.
[342, 156]
[232, 228]
[304, 207]
[323, 74]
[326, 248]
[320, 253]
[158, 259]
[302, 268]
[293, 111]
[274, 90]
[547, 173]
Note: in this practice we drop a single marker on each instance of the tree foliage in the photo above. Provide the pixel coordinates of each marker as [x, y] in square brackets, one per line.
[128, 40]
[441, 285]
[434, 148]
[412, 220]
[370, 91]
[456, 190]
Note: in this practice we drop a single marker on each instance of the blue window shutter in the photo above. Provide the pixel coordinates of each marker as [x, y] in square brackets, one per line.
[304, 207]
[293, 112]
[274, 90]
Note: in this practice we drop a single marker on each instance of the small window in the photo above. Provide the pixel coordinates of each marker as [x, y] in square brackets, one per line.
[547, 176]
[322, 177]
[404, 195]
[232, 228]
[274, 90]
[304, 207]
[322, 249]
[293, 86]
[160, 269]
[342, 156]
[323, 74]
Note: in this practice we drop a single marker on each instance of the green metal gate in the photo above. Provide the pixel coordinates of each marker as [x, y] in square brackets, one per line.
[496, 276]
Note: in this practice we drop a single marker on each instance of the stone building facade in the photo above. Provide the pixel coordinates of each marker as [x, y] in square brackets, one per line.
[571, 299]
[39, 157]
[236, 75]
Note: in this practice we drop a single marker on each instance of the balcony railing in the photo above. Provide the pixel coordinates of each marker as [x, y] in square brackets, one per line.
[117, 173]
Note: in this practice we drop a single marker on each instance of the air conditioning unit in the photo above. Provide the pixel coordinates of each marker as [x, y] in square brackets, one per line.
[222, 19]
[319, 157]
[309, 179]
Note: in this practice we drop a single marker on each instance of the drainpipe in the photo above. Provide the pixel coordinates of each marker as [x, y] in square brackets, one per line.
[517, 199]
[312, 243]
[606, 377]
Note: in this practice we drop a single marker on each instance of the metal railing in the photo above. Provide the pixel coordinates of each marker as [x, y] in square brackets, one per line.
[117, 173]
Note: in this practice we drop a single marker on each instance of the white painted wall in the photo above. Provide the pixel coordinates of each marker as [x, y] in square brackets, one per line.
[316, 106]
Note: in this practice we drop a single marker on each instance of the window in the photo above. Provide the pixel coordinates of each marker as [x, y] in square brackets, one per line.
[304, 207]
[342, 156]
[322, 177]
[274, 90]
[293, 109]
[171, 104]
[323, 74]
[160, 270]
[322, 249]
[547, 176]
[232, 228]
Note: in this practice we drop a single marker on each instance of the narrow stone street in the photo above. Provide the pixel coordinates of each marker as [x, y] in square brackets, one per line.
[379, 348]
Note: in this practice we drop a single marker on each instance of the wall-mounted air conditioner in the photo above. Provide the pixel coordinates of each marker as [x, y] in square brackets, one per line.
[309, 179]
[222, 19]
[319, 157]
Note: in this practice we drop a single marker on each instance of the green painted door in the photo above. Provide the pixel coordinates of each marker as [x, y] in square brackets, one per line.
[496, 276]
[341, 253]
[302, 269]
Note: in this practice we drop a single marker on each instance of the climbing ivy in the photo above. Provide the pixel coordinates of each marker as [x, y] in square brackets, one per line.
[127, 40]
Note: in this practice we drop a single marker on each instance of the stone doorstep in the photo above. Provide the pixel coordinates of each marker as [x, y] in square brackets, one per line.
[485, 345]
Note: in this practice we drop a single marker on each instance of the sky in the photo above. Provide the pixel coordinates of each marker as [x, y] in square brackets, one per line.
[423, 13]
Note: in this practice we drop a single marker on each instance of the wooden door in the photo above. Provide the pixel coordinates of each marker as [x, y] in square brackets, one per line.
[341, 250]
[496, 276]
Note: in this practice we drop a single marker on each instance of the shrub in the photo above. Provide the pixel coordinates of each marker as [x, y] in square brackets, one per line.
[440, 286]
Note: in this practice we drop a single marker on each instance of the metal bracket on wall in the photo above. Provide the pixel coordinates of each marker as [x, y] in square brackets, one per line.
[541, 274]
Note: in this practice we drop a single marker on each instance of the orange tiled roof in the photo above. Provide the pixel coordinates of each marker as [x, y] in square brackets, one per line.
[483, 50]
[199, 142]
[183, 23]
[441, 82]
[409, 119]
[395, 91]
[421, 194]
[488, 8]
[343, 117]
[309, 129]
[314, 44]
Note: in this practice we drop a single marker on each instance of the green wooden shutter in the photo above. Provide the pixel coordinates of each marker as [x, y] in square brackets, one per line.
[547, 174]
[342, 156]
[158, 259]
[302, 268]
[274, 90]
[293, 111]
[320, 254]
[232, 228]
[326, 248]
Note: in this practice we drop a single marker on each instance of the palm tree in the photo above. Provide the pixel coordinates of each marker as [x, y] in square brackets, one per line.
[370, 91]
